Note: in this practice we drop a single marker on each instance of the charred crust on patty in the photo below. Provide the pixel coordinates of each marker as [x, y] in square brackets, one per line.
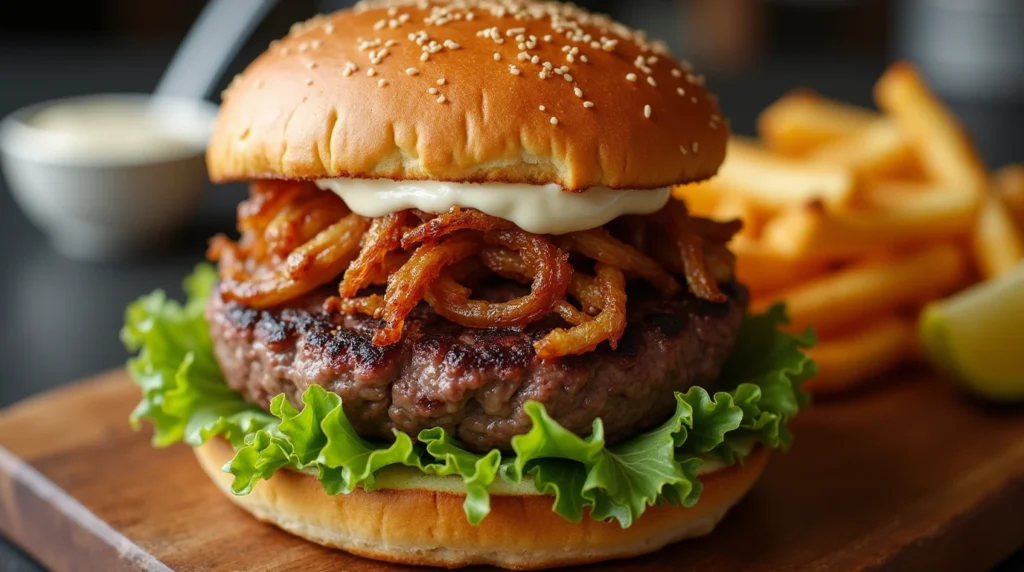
[474, 382]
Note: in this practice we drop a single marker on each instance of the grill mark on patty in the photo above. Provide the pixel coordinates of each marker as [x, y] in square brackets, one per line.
[474, 382]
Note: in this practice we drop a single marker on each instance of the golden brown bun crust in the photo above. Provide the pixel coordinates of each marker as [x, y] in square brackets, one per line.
[418, 526]
[296, 113]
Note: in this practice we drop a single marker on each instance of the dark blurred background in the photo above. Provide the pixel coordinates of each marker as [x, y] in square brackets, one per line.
[971, 50]
[59, 318]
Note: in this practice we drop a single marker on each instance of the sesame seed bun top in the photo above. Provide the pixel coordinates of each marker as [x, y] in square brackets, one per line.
[469, 90]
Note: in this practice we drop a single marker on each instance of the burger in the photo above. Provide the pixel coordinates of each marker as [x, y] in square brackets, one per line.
[463, 320]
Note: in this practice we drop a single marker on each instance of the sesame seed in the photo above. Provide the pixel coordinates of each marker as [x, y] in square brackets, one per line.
[497, 57]
[328, 28]
[311, 65]
[432, 91]
[578, 92]
[522, 56]
[712, 125]
[567, 78]
[542, 108]
[371, 72]
[303, 47]
[441, 81]
[534, 59]
[412, 71]
[382, 82]
[676, 72]
[583, 59]
[441, 99]
[693, 99]
[284, 51]
[554, 121]
[389, 43]
[631, 76]
[588, 104]
[695, 147]
[682, 149]
[309, 81]
[451, 45]
[424, 57]
[347, 72]
[380, 24]
[680, 91]
[315, 44]
[650, 80]
[647, 111]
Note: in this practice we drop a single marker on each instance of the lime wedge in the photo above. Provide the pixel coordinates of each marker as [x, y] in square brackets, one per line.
[977, 336]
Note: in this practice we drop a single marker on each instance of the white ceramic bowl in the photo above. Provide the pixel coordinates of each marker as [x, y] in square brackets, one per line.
[113, 193]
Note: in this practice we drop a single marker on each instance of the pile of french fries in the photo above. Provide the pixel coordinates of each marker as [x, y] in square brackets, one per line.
[857, 218]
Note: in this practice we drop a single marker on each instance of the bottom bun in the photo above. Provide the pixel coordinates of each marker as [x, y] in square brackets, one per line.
[428, 527]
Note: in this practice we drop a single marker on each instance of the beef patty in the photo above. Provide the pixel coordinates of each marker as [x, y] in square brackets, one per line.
[472, 382]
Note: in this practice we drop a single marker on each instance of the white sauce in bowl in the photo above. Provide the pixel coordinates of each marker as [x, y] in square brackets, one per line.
[110, 129]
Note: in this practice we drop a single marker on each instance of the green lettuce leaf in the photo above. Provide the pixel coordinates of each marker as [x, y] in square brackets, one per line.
[186, 399]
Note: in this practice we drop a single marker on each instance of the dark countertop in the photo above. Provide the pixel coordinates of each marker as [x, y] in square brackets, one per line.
[59, 319]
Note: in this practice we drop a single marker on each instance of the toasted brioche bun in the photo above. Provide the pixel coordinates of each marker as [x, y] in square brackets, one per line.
[324, 102]
[428, 527]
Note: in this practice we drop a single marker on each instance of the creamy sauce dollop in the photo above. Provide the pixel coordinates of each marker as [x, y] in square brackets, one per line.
[540, 209]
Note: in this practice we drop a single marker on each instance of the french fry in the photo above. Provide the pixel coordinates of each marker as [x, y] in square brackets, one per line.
[898, 194]
[812, 230]
[878, 150]
[764, 272]
[842, 299]
[855, 358]
[1009, 183]
[946, 152]
[802, 120]
[700, 198]
[731, 206]
[997, 243]
[772, 181]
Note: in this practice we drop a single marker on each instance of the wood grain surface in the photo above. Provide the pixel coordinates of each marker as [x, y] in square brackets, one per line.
[910, 476]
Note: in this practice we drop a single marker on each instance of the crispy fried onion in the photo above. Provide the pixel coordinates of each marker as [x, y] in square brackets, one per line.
[384, 236]
[606, 292]
[604, 296]
[599, 244]
[288, 247]
[408, 285]
[458, 219]
[548, 266]
[296, 238]
[690, 235]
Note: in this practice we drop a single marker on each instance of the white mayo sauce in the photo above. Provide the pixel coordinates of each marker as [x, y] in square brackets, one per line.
[540, 209]
[109, 129]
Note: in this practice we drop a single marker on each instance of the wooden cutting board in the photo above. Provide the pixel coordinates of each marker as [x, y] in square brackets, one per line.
[907, 477]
